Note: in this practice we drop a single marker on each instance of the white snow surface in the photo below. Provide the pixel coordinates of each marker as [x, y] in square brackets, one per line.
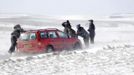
[112, 53]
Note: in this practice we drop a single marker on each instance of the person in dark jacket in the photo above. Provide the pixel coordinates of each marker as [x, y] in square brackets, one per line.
[91, 31]
[72, 33]
[64, 24]
[68, 30]
[14, 36]
[68, 24]
[84, 34]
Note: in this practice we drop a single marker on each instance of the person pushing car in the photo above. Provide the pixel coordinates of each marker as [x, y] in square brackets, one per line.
[14, 36]
[84, 34]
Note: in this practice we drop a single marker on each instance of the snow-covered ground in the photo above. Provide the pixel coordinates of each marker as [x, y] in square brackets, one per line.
[112, 53]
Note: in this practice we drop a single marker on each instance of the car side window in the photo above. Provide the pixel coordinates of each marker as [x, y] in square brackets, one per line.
[43, 35]
[52, 34]
[24, 36]
[32, 36]
[62, 34]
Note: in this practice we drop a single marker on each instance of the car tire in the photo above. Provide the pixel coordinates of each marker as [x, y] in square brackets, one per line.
[49, 49]
[77, 46]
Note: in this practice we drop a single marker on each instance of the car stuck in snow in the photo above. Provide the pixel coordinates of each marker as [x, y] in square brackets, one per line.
[46, 40]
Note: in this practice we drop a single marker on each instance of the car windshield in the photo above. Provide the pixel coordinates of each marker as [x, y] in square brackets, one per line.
[28, 36]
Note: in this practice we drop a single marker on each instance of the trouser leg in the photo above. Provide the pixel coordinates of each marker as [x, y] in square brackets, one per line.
[92, 39]
[86, 41]
[13, 44]
[12, 48]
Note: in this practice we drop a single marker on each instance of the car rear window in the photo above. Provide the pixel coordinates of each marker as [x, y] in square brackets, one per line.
[28, 36]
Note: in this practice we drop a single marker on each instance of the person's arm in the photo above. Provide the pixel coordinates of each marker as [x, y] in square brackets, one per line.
[78, 33]
[94, 27]
[22, 30]
[89, 28]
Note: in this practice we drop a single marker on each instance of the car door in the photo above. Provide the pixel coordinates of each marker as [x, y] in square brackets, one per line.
[51, 38]
[55, 40]
[65, 39]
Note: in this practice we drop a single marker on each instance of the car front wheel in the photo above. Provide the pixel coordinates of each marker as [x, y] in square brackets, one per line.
[77, 46]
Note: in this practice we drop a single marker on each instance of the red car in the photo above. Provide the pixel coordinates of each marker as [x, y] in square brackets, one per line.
[46, 40]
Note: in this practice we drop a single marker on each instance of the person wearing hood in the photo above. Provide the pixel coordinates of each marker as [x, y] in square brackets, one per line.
[14, 36]
[68, 30]
[68, 24]
[84, 34]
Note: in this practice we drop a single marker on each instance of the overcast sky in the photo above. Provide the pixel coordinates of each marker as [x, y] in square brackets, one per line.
[67, 7]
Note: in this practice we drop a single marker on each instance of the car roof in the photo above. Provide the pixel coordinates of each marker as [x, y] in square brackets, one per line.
[47, 29]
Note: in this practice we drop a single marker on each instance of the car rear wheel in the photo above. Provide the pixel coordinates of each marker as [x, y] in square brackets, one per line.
[49, 49]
